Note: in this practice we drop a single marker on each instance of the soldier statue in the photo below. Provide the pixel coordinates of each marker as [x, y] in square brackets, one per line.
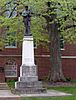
[27, 21]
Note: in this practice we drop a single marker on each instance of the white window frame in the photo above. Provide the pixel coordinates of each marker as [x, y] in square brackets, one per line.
[11, 46]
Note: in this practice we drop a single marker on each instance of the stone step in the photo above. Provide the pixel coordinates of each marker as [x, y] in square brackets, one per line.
[29, 91]
[4, 86]
[22, 85]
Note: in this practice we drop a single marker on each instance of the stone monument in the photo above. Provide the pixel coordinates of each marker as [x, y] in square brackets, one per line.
[28, 80]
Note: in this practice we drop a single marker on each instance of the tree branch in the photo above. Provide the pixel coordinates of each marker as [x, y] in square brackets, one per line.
[70, 26]
[12, 11]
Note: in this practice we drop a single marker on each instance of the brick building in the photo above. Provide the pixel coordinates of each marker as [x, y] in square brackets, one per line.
[10, 61]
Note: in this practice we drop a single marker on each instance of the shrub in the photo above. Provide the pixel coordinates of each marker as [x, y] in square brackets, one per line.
[11, 83]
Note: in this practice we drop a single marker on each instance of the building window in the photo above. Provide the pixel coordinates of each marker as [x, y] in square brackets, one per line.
[35, 43]
[62, 43]
[10, 40]
[10, 13]
[11, 9]
[11, 68]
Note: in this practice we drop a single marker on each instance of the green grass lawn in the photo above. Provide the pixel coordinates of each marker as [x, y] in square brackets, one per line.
[51, 98]
[71, 90]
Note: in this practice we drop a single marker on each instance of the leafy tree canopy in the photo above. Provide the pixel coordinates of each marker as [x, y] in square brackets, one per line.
[65, 11]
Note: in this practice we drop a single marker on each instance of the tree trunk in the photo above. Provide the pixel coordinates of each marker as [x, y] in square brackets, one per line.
[55, 73]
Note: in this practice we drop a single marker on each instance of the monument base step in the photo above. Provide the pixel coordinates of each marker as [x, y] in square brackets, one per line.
[29, 87]
[22, 85]
[28, 78]
[29, 91]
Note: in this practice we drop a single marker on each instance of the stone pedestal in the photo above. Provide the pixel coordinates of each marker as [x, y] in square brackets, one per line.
[28, 80]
